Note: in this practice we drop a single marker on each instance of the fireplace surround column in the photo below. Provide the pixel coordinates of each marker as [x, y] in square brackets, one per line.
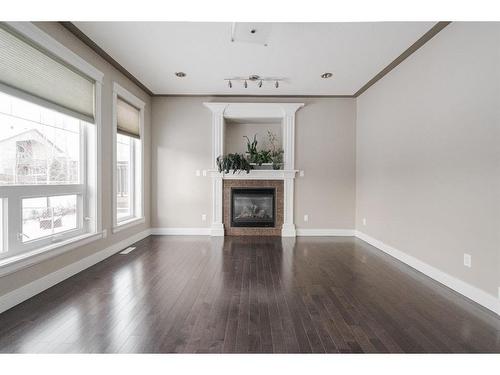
[285, 113]
[217, 228]
[289, 110]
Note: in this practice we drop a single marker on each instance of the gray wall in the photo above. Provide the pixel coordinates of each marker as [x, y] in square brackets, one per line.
[325, 150]
[23, 277]
[428, 154]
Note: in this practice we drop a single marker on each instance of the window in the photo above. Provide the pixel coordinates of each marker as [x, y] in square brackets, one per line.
[38, 146]
[128, 158]
[48, 143]
[3, 229]
[42, 165]
[125, 148]
[46, 216]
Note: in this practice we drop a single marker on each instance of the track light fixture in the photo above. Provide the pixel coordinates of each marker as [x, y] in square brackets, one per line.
[259, 81]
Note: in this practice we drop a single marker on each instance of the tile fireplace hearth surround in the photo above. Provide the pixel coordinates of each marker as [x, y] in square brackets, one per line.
[253, 231]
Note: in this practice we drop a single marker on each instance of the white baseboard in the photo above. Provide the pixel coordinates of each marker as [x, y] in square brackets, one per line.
[288, 230]
[477, 295]
[288, 233]
[181, 231]
[27, 291]
[325, 232]
[217, 230]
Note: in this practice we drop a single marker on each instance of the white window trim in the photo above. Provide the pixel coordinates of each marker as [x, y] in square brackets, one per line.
[18, 261]
[138, 218]
[126, 224]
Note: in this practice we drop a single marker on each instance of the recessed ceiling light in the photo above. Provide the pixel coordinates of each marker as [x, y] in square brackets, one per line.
[326, 75]
[180, 74]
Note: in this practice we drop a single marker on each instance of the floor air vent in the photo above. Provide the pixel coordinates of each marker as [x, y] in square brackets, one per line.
[127, 250]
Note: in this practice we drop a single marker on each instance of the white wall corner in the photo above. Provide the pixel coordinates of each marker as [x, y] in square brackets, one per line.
[475, 294]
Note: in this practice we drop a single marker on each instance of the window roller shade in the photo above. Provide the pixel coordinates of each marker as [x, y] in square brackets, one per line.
[127, 119]
[32, 72]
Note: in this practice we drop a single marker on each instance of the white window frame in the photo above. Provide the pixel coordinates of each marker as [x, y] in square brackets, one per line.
[18, 257]
[136, 170]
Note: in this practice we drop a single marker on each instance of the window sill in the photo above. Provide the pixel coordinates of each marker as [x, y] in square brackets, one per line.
[128, 224]
[18, 262]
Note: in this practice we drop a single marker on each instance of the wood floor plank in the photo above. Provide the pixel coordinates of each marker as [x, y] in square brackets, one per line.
[249, 295]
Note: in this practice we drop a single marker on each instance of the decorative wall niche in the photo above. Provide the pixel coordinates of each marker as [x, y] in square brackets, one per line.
[234, 132]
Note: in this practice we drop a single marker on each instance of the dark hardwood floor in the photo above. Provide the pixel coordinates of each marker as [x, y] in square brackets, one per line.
[200, 294]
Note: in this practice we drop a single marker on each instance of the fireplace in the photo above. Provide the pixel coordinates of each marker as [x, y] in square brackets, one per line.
[254, 208]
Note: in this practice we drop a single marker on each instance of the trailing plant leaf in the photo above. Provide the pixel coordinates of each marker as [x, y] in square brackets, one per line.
[235, 162]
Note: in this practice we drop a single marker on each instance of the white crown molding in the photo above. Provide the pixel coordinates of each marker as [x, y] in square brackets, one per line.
[255, 110]
[27, 291]
[475, 294]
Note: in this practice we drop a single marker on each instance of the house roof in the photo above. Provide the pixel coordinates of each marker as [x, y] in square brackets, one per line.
[38, 135]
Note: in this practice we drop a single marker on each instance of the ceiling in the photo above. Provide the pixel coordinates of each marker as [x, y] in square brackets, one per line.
[296, 52]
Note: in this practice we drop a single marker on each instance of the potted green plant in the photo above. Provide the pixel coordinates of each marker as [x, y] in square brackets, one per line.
[234, 162]
[259, 159]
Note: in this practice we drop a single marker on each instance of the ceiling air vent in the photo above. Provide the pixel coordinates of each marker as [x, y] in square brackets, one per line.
[251, 32]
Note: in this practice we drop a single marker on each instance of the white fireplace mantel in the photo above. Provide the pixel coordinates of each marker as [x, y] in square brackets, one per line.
[285, 113]
[255, 174]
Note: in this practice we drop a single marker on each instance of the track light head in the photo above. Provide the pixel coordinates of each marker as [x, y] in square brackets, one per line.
[253, 79]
